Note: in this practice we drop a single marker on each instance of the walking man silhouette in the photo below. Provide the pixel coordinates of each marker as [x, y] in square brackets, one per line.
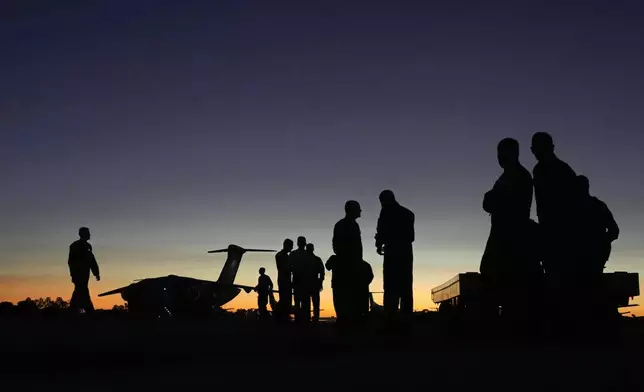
[81, 261]
[394, 237]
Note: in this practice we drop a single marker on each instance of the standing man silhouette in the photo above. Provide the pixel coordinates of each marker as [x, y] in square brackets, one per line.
[557, 196]
[284, 279]
[264, 288]
[509, 266]
[600, 227]
[599, 230]
[81, 261]
[299, 261]
[347, 246]
[394, 237]
[314, 278]
[555, 193]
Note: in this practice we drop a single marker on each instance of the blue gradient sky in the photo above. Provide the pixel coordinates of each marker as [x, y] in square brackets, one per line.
[171, 128]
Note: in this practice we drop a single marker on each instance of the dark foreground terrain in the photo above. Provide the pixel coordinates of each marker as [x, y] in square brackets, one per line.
[113, 354]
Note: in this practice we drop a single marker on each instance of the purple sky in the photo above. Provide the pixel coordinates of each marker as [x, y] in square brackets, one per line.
[170, 128]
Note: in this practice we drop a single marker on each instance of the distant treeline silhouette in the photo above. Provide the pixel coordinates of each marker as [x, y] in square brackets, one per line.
[60, 308]
[45, 307]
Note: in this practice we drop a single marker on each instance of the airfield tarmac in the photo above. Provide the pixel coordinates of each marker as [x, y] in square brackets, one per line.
[109, 355]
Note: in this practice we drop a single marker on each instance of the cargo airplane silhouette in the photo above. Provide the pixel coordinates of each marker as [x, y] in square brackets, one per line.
[169, 295]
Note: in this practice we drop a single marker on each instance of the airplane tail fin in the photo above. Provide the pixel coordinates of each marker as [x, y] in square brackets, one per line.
[235, 253]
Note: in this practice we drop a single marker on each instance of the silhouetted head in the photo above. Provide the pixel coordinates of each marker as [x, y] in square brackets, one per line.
[542, 145]
[387, 198]
[507, 152]
[352, 209]
[288, 245]
[83, 233]
[310, 248]
[301, 242]
[583, 184]
[262, 271]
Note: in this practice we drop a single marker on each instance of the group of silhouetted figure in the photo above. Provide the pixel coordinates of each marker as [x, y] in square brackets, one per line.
[527, 267]
[531, 267]
[301, 273]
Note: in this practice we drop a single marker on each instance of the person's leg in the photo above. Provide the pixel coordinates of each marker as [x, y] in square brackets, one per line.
[89, 307]
[286, 300]
[83, 300]
[391, 296]
[315, 297]
[297, 304]
[74, 304]
[265, 304]
[306, 307]
[407, 287]
[340, 305]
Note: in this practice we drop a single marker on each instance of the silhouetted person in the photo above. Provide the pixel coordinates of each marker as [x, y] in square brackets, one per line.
[510, 265]
[555, 194]
[599, 230]
[81, 262]
[264, 289]
[365, 279]
[599, 225]
[557, 198]
[285, 279]
[347, 246]
[311, 275]
[299, 260]
[395, 235]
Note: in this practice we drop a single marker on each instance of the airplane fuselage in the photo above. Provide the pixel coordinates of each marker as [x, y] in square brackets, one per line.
[173, 294]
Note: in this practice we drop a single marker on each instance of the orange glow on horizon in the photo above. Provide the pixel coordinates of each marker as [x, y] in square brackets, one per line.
[19, 288]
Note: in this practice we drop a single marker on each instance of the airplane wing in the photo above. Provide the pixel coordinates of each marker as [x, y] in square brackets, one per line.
[248, 289]
[115, 291]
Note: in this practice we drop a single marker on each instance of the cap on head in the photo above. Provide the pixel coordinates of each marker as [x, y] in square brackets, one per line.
[310, 247]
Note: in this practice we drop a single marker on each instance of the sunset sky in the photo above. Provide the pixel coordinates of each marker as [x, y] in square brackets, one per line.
[174, 127]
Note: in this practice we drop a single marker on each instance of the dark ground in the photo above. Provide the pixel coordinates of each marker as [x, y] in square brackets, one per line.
[112, 354]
